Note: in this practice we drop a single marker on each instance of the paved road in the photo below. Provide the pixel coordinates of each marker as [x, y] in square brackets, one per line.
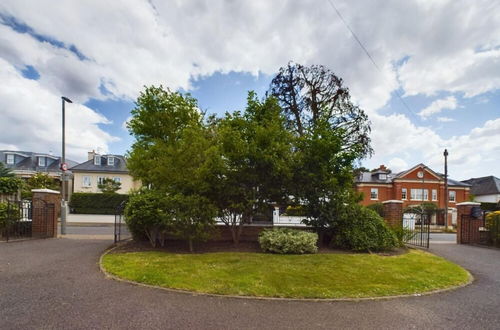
[56, 284]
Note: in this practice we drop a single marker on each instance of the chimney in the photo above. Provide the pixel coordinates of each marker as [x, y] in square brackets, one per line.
[382, 168]
[91, 154]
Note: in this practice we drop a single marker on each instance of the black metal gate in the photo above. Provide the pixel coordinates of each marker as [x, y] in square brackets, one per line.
[416, 226]
[26, 219]
[121, 229]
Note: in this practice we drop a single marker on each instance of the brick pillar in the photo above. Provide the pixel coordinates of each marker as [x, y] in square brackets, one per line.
[463, 208]
[393, 212]
[45, 215]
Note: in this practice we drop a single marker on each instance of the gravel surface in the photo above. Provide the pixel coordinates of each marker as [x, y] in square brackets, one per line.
[56, 284]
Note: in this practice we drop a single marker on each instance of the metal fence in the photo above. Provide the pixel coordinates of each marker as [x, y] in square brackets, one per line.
[417, 229]
[121, 232]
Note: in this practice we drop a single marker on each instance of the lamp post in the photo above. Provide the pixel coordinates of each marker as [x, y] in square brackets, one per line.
[63, 167]
[446, 197]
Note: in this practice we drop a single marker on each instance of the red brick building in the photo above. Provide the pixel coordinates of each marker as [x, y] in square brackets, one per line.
[412, 187]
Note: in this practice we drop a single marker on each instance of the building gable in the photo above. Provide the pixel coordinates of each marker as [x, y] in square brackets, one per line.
[413, 174]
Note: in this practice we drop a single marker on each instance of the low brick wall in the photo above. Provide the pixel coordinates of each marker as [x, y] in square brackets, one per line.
[393, 212]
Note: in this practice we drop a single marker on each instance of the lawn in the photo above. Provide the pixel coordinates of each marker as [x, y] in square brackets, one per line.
[290, 276]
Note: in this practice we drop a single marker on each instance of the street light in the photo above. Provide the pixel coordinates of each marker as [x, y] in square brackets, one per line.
[446, 197]
[63, 166]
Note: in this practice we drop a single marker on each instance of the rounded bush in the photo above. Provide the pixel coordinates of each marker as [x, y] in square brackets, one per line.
[365, 231]
[288, 241]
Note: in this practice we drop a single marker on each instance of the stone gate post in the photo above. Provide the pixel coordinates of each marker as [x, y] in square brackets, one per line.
[463, 209]
[393, 212]
[45, 221]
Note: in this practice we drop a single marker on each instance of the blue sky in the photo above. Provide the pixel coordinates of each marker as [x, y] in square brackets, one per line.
[442, 58]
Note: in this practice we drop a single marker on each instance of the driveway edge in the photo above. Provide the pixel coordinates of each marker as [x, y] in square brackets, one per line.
[215, 295]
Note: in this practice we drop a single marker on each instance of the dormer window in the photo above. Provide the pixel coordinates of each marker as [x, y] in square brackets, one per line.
[97, 160]
[382, 176]
[42, 161]
[111, 161]
[10, 159]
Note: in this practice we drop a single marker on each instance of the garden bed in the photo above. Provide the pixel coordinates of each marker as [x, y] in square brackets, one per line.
[317, 276]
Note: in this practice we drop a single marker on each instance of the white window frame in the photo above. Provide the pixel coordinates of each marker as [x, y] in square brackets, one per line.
[117, 179]
[450, 194]
[42, 161]
[10, 159]
[100, 179]
[382, 176]
[404, 194]
[86, 181]
[434, 195]
[111, 161]
[372, 191]
[97, 160]
[416, 194]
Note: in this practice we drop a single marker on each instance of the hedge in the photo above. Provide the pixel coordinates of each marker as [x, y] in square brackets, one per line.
[288, 241]
[96, 203]
[490, 206]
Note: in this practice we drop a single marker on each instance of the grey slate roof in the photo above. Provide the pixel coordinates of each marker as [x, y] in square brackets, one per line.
[487, 185]
[28, 161]
[119, 166]
[373, 177]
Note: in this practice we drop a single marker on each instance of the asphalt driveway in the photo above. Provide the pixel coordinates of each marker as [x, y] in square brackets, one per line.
[56, 283]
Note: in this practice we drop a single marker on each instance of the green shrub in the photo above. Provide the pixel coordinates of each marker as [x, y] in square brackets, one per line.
[146, 218]
[490, 206]
[402, 234]
[493, 225]
[366, 231]
[377, 207]
[288, 241]
[8, 214]
[295, 210]
[94, 203]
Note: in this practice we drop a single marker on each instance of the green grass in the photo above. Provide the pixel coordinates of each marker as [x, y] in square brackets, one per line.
[290, 276]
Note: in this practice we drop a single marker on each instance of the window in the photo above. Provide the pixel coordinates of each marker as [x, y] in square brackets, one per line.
[382, 176]
[100, 179]
[416, 194]
[41, 161]
[10, 159]
[87, 182]
[403, 193]
[434, 195]
[453, 196]
[374, 193]
[97, 160]
[111, 161]
[117, 179]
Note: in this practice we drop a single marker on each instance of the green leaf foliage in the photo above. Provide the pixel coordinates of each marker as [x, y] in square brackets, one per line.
[288, 241]
[109, 186]
[10, 185]
[5, 172]
[363, 230]
[96, 203]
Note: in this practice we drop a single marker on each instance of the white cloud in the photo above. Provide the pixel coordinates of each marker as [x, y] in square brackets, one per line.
[397, 164]
[423, 47]
[31, 118]
[472, 154]
[445, 119]
[439, 105]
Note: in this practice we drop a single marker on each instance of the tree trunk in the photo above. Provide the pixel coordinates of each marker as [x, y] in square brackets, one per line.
[190, 241]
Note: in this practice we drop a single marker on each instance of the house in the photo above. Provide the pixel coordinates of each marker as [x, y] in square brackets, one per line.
[87, 175]
[25, 164]
[485, 189]
[413, 186]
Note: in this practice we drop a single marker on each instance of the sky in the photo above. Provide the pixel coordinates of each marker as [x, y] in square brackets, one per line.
[432, 80]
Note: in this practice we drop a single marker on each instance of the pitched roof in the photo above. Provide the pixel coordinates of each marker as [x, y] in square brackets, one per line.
[119, 166]
[486, 185]
[372, 177]
[30, 162]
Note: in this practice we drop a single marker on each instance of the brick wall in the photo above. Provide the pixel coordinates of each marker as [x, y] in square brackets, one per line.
[46, 208]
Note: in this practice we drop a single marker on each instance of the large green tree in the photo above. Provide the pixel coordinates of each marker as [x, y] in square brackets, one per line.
[332, 135]
[168, 157]
[249, 166]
